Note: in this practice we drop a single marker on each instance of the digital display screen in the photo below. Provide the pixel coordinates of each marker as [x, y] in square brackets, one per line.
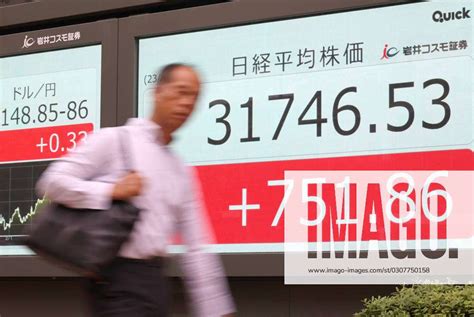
[49, 101]
[361, 90]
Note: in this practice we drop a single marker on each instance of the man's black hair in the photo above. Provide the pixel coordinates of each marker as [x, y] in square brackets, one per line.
[166, 72]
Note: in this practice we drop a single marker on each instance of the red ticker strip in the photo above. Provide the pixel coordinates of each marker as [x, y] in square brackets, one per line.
[41, 143]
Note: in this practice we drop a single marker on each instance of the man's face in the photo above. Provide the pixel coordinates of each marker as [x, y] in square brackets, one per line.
[175, 100]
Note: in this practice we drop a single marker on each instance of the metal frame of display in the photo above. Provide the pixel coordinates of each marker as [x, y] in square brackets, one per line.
[104, 33]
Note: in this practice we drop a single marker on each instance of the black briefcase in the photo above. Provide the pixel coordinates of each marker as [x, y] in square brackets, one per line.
[83, 239]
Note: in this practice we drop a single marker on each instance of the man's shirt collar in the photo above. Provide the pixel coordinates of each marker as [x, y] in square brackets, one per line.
[151, 128]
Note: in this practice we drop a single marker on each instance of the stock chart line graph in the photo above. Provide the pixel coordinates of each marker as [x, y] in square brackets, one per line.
[6, 224]
[18, 200]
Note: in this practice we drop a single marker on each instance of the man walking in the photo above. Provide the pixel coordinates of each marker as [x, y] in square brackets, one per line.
[162, 187]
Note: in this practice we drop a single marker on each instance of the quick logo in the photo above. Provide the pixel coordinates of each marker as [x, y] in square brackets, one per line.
[440, 17]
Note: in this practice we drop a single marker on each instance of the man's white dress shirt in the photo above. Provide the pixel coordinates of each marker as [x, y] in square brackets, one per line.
[169, 203]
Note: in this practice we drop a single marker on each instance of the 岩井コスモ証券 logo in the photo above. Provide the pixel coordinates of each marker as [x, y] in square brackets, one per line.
[389, 52]
[28, 41]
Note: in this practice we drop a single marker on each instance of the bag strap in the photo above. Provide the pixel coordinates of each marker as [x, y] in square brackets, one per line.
[126, 155]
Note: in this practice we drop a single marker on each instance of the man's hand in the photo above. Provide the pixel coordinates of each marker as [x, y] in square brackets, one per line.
[129, 186]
